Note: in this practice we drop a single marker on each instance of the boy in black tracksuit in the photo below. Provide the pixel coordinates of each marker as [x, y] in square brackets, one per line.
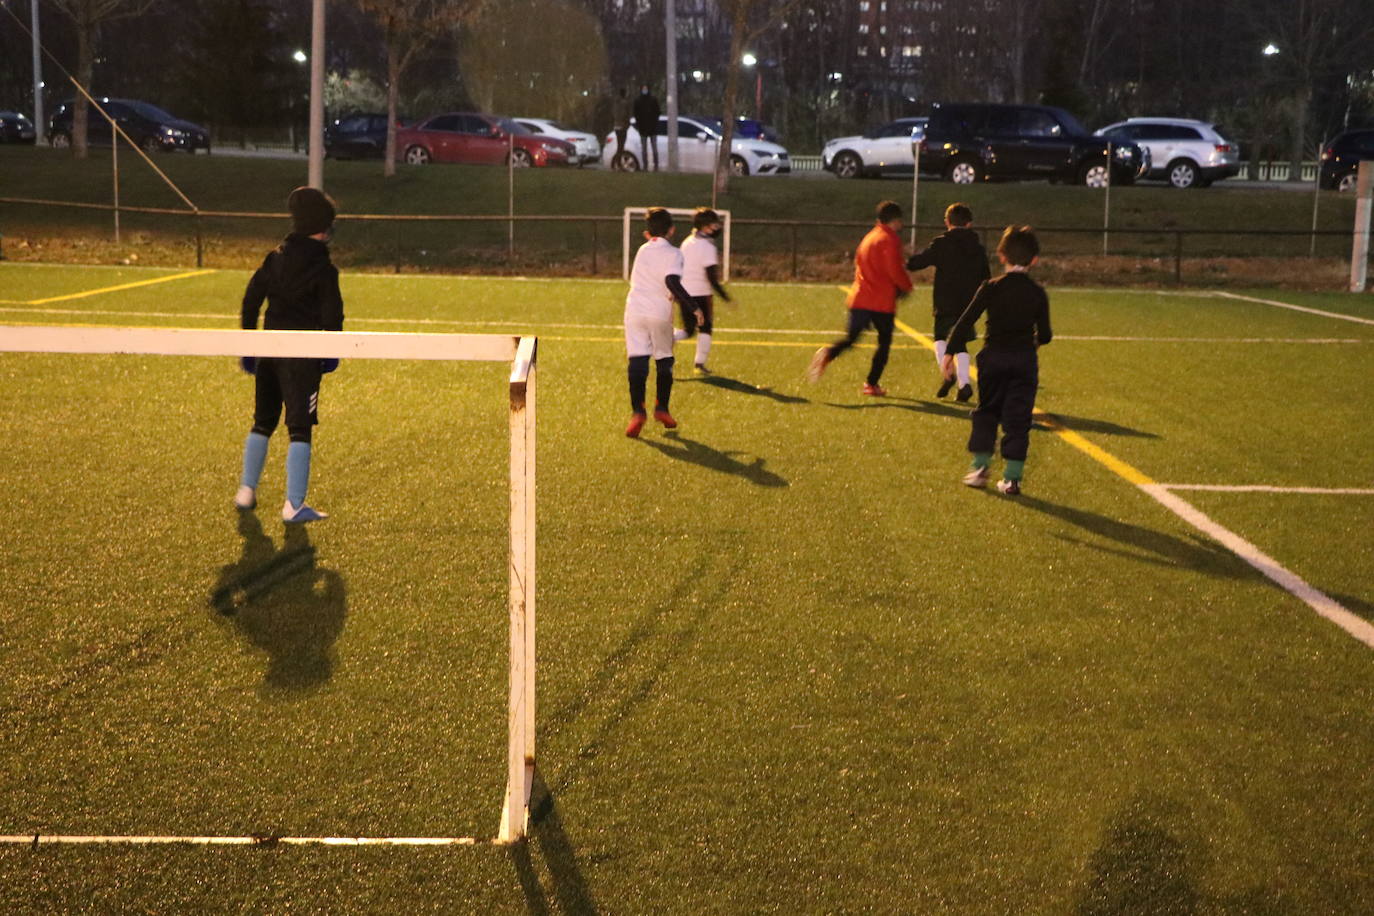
[301, 286]
[961, 266]
[1008, 369]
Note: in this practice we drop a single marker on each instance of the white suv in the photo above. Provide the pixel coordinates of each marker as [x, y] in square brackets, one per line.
[698, 141]
[1186, 153]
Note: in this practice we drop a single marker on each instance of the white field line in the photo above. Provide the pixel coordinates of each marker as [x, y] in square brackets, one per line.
[1297, 308]
[1325, 606]
[1265, 488]
[37, 839]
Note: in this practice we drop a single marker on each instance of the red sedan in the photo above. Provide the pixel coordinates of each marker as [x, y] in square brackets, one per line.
[478, 138]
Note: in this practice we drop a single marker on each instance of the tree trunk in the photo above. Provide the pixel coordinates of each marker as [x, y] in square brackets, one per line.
[727, 128]
[393, 93]
[1298, 149]
[85, 66]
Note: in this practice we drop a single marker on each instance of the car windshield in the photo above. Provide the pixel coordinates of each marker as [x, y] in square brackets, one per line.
[511, 126]
[151, 112]
[1071, 124]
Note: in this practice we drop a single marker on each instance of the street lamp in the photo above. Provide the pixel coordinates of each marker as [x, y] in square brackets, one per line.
[299, 57]
[1270, 50]
[750, 61]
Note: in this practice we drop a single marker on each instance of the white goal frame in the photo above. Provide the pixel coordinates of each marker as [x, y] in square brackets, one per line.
[521, 353]
[626, 232]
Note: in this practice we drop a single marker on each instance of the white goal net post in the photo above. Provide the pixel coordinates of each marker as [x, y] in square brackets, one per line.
[632, 227]
[519, 352]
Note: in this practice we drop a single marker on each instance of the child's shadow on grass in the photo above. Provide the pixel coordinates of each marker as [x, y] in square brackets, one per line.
[674, 445]
[732, 384]
[284, 604]
[1147, 545]
[1085, 425]
[913, 404]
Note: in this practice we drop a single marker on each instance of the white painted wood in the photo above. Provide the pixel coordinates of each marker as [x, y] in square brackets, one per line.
[74, 840]
[1364, 206]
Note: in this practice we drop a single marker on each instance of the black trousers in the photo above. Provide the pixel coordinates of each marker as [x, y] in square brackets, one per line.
[1007, 382]
[648, 146]
[689, 315]
[861, 320]
[294, 383]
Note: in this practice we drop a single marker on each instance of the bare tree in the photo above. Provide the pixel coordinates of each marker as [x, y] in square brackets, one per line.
[408, 27]
[89, 16]
[748, 20]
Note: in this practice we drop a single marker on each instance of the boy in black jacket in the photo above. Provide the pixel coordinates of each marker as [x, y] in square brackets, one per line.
[961, 265]
[301, 286]
[1008, 369]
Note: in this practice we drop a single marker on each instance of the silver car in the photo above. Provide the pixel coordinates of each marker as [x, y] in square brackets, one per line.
[586, 145]
[885, 150]
[1184, 152]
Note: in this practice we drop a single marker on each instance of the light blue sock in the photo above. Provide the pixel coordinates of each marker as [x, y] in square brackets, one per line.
[1014, 469]
[254, 455]
[297, 472]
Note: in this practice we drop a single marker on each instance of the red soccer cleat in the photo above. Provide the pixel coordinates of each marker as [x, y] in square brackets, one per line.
[635, 425]
[665, 418]
[874, 391]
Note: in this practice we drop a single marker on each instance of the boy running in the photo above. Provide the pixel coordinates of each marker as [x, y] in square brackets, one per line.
[879, 281]
[961, 266]
[701, 275]
[301, 286]
[1008, 368]
[655, 281]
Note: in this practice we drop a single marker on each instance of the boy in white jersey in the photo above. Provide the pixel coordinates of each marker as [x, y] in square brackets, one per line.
[701, 275]
[655, 281]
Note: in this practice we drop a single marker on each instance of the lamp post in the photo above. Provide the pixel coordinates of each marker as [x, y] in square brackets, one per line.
[300, 58]
[40, 127]
[752, 63]
[315, 171]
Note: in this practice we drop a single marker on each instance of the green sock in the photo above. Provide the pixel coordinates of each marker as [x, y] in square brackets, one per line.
[981, 460]
[1014, 469]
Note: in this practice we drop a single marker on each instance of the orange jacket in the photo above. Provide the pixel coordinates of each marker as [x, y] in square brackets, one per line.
[878, 272]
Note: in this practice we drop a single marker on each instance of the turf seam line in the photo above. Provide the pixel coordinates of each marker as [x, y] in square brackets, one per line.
[1297, 308]
[1318, 601]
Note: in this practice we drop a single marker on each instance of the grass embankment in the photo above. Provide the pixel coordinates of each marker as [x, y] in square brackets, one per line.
[1145, 255]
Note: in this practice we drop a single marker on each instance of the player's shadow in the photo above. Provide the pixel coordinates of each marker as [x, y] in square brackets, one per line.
[1357, 606]
[1149, 861]
[678, 447]
[284, 603]
[549, 840]
[1143, 544]
[938, 408]
[1086, 425]
[733, 384]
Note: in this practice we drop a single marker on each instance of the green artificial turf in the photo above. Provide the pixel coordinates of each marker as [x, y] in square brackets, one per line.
[786, 662]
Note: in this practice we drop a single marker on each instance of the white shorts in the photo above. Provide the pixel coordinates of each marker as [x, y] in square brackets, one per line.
[646, 336]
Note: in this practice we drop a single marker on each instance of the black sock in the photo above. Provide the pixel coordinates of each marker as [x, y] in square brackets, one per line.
[665, 381]
[639, 380]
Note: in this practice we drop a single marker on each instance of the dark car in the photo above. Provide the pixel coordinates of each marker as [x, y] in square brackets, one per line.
[752, 129]
[147, 125]
[967, 143]
[359, 135]
[15, 127]
[1342, 156]
[479, 138]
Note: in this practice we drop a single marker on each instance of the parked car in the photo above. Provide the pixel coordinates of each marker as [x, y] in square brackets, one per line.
[1341, 159]
[358, 135]
[753, 129]
[585, 146]
[967, 143]
[1184, 152]
[470, 137]
[885, 150]
[15, 127]
[698, 140]
[147, 125]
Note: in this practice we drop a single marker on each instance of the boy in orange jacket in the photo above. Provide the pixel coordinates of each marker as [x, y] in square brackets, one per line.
[880, 279]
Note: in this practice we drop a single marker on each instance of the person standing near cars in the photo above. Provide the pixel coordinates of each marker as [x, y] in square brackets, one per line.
[647, 113]
[622, 115]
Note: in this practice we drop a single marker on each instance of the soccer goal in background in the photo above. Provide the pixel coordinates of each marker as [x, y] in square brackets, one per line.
[520, 352]
[632, 226]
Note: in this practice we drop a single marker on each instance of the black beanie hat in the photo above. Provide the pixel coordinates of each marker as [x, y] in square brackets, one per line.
[312, 211]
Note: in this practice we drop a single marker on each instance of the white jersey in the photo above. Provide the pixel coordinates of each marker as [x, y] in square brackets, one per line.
[698, 253]
[649, 296]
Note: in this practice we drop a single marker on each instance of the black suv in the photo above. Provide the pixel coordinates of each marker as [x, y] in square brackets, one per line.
[1341, 159]
[357, 135]
[147, 125]
[967, 143]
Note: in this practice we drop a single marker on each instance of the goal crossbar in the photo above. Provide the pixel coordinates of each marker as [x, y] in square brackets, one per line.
[519, 352]
[626, 237]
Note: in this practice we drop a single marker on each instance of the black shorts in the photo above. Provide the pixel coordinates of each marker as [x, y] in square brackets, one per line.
[293, 383]
[943, 325]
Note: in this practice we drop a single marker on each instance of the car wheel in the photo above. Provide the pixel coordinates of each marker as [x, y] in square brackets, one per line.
[418, 155]
[738, 167]
[521, 159]
[627, 162]
[1345, 183]
[61, 140]
[1094, 175]
[150, 145]
[847, 165]
[1183, 173]
[964, 171]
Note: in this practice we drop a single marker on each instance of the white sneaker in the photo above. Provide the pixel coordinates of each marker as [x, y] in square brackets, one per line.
[1009, 487]
[246, 498]
[978, 477]
[818, 364]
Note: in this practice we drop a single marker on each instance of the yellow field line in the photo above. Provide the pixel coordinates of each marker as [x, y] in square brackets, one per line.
[121, 286]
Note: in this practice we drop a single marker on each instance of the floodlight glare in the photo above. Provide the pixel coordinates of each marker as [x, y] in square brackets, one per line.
[299, 57]
[749, 60]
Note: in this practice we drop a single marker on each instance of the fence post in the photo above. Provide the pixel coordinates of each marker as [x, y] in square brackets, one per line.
[1178, 256]
[396, 248]
[200, 243]
[594, 247]
[794, 251]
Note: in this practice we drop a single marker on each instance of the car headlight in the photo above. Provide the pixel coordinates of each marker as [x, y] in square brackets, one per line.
[173, 132]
